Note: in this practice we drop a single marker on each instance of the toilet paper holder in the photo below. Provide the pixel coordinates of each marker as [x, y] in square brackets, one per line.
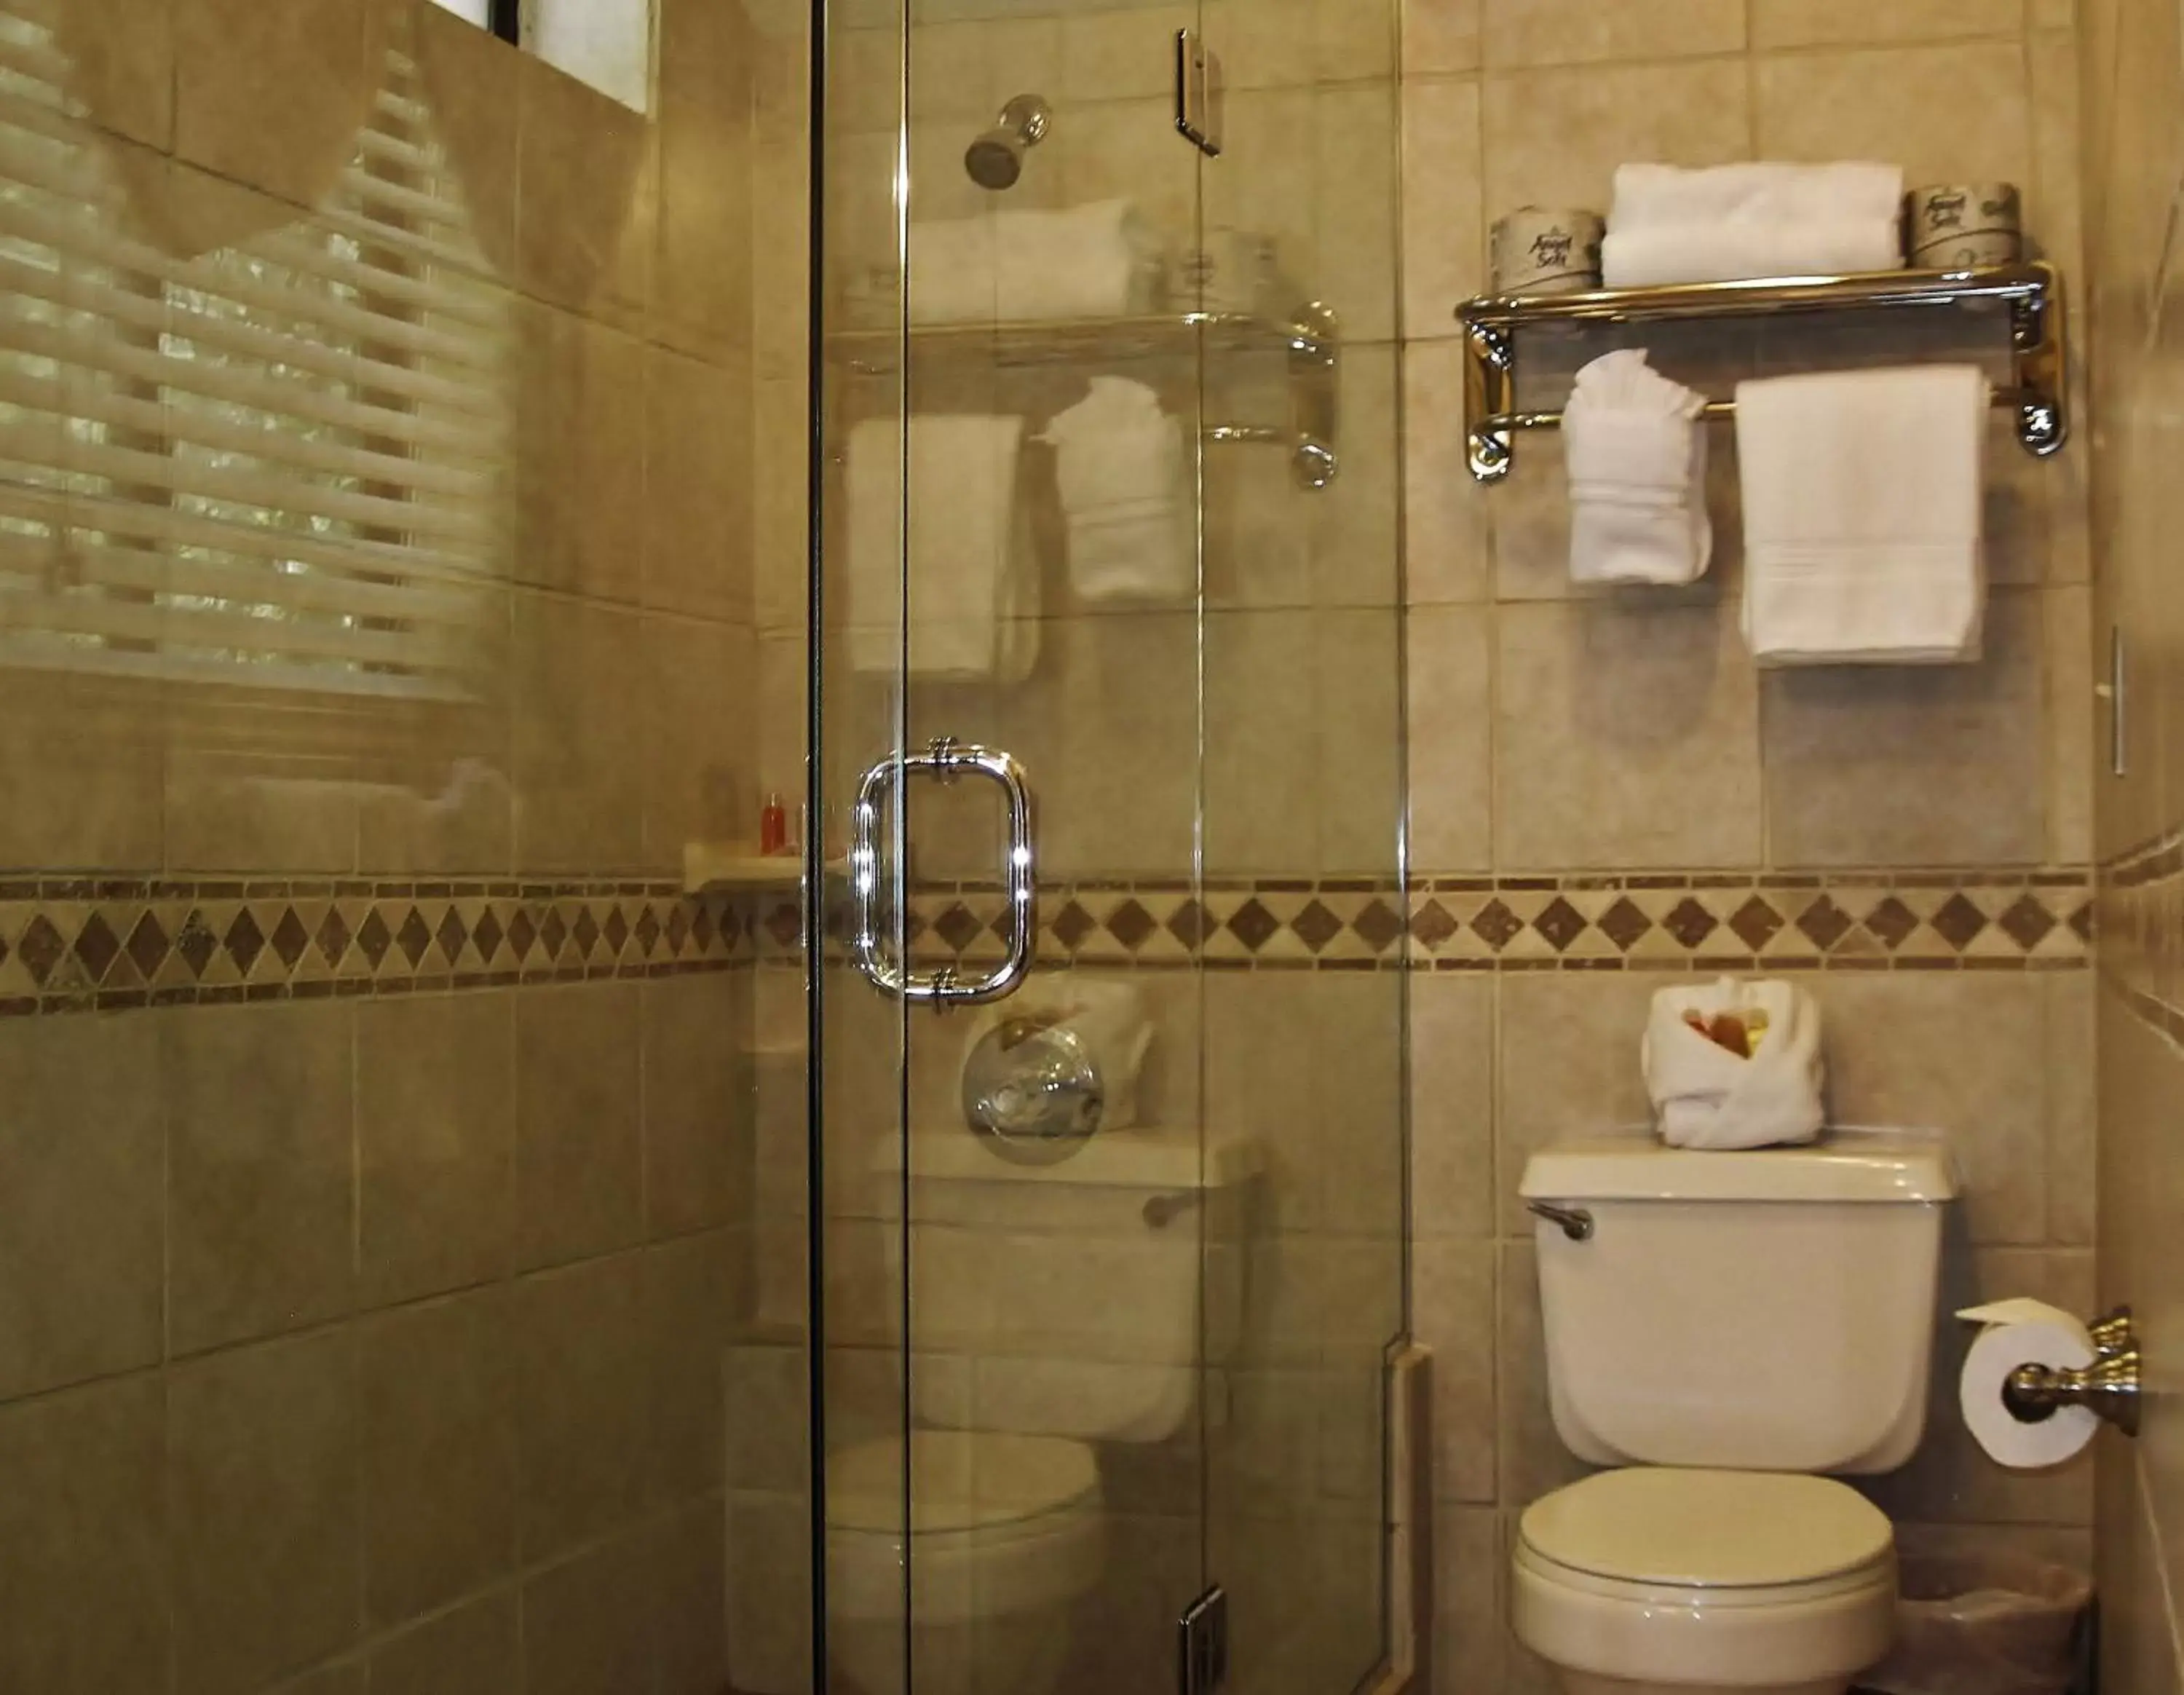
[2108, 1387]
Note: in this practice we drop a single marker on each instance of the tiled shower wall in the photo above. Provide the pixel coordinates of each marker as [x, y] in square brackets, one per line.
[364, 1284]
[2134, 94]
[1625, 735]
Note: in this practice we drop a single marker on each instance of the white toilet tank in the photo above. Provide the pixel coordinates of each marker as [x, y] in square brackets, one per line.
[1771, 1310]
[1065, 1299]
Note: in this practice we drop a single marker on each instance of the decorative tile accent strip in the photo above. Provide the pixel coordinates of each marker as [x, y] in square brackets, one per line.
[104, 944]
[1861, 920]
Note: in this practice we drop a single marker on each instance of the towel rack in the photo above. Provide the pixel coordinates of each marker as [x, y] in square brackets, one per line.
[1310, 339]
[2032, 292]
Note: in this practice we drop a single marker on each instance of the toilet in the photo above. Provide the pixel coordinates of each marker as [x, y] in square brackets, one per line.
[1054, 1308]
[1727, 1332]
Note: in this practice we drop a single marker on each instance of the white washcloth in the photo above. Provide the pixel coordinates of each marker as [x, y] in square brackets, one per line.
[1669, 225]
[1637, 475]
[1124, 482]
[1862, 516]
[972, 577]
[1097, 260]
[1704, 1096]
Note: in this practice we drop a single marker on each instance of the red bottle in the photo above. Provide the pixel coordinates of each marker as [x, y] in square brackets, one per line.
[774, 827]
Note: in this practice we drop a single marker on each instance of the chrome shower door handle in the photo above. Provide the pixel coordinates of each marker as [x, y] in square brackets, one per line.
[947, 759]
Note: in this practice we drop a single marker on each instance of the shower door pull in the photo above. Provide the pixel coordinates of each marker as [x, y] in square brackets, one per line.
[947, 759]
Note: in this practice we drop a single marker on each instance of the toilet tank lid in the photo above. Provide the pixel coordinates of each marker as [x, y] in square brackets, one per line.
[1846, 1164]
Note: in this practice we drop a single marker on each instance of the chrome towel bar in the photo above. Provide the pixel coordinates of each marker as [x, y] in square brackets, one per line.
[2032, 294]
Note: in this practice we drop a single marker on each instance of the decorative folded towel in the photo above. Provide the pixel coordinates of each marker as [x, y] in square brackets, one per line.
[1862, 516]
[1651, 196]
[973, 578]
[1097, 260]
[1636, 453]
[1734, 1065]
[1669, 225]
[1124, 477]
[1727, 251]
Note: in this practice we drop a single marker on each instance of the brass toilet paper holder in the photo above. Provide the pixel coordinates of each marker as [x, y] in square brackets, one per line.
[2109, 1387]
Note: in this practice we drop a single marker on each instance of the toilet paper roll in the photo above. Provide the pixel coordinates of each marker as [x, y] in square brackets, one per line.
[2015, 1333]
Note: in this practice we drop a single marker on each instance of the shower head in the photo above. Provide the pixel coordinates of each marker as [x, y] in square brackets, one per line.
[996, 159]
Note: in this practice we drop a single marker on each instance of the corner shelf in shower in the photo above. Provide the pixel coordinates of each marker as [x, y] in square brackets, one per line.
[2031, 294]
[1310, 339]
[729, 868]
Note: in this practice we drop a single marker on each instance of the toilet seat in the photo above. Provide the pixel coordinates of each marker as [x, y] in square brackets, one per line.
[1712, 1530]
[1754, 1579]
[999, 1523]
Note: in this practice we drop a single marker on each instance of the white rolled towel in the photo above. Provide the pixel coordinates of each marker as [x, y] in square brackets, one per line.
[1706, 1096]
[1636, 455]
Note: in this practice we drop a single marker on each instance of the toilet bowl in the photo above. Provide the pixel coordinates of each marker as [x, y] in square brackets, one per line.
[1655, 1580]
[1005, 1531]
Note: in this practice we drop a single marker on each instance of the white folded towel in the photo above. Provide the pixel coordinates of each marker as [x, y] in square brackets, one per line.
[1706, 1096]
[972, 582]
[1652, 196]
[1728, 252]
[1125, 485]
[1097, 260]
[1669, 225]
[1636, 455]
[1862, 516]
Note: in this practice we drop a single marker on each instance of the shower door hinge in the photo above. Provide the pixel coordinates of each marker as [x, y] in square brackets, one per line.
[1198, 93]
[1202, 1666]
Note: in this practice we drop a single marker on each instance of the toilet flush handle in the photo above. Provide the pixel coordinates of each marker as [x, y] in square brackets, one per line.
[1575, 1221]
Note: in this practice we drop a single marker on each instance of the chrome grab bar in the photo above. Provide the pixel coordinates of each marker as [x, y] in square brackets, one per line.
[947, 759]
[1574, 1222]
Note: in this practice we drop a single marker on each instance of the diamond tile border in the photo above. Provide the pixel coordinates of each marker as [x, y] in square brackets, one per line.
[1896, 918]
[111, 945]
[69, 945]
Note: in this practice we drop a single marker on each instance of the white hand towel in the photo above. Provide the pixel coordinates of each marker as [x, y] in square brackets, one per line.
[1862, 516]
[1636, 455]
[1706, 1096]
[972, 580]
[1095, 260]
[1124, 481]
[1669, 225]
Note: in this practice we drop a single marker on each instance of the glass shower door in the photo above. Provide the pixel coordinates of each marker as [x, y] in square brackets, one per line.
[1012, 1357]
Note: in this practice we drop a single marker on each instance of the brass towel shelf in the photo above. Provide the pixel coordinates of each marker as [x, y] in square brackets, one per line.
[2032, 294]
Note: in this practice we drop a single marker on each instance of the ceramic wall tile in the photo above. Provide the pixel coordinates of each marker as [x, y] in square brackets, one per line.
[84, 1608]
[1584, 31]
[1624, 738]
[263, 1549]
[260, 1170]
[83, 1241]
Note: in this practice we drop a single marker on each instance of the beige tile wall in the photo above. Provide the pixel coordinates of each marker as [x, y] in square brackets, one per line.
[1556, 729]
[380, 1344]
[2132, 60]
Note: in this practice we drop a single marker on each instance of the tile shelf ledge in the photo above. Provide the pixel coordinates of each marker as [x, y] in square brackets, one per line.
[738, 868]
[2031, 293]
